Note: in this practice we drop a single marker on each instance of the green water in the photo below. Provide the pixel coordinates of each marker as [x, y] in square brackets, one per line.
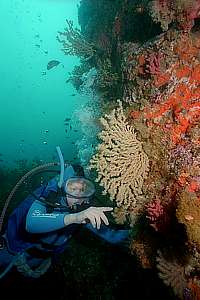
[35, 101]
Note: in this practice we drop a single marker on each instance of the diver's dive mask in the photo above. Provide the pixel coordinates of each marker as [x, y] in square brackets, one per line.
[79, 189]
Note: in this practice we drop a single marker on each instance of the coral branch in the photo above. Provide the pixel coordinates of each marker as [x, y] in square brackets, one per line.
[74, 42]
[121, 163]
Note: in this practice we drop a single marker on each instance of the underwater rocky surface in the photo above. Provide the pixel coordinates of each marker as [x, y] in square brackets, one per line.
[147, 160]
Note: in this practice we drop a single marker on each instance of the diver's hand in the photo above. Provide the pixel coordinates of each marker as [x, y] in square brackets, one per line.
[94, 214]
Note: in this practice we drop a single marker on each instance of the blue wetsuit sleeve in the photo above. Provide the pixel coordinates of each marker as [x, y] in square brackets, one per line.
[110, 235]
[39, 221]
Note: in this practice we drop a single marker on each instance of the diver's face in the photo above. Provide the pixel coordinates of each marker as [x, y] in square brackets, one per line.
[74, 202]
[77, 187]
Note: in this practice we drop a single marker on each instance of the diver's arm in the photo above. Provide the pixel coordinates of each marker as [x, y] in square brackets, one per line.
[39, 221]
[110, 235]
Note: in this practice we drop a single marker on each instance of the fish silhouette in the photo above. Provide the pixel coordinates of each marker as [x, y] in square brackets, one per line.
[52, 63]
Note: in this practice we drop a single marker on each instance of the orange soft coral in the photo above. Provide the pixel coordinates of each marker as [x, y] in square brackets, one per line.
[183, 100]
[194, 287]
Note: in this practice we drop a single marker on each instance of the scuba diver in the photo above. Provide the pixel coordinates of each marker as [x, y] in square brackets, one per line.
[41, 226]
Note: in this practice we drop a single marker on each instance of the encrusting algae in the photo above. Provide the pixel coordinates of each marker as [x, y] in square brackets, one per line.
[188, 213]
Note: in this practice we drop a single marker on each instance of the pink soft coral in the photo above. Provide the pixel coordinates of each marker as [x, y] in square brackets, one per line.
[155, 214]
[153, 63]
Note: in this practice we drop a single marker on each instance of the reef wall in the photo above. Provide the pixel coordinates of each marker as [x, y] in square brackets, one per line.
[146, 56]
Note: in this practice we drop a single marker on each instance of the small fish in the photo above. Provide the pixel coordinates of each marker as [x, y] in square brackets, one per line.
[66, 130]
[75, 130]
[46, 131]
[67, 119]
[52, 63]
[189, 217]
[72, 95]
[46, 52]
[73, 143]
[22, 140]
[70, 127]
[45, 143]
[44, 73]
[66, 124]
[37, 45]
[44, 112]
[37, 35]
[139, 9]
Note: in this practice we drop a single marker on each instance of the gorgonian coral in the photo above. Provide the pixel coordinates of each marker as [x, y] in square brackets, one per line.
[74, 42]
[120, 161]
[173, 274]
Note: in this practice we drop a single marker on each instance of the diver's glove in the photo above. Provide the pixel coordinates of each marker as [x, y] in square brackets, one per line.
[95, 215]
